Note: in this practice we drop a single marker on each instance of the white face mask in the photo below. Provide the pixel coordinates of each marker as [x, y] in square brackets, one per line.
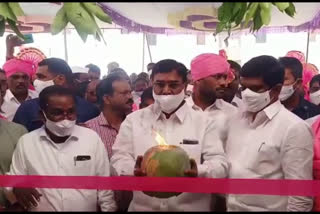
[62, 128]
[286, 92]
[39, 85]
[169, 103]
[315, 97]
[254, 102]
[138, 93]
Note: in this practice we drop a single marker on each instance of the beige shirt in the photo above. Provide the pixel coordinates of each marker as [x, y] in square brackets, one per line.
[135, 138]
[36, 154]
[11, 104]
[276, 145]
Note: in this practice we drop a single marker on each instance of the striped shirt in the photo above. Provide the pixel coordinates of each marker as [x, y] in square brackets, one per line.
[108, 135]
[106, 132]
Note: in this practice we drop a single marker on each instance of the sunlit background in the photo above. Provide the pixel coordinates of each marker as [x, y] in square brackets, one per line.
[128, 51]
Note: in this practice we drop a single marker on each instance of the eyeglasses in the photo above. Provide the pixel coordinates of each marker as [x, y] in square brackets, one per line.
[159, 86]
[61, 113]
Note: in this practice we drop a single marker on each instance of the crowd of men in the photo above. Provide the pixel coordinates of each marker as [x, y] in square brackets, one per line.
[258, 121]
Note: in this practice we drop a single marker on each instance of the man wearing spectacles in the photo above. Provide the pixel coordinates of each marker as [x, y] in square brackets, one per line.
[60, 148]
[173, 119]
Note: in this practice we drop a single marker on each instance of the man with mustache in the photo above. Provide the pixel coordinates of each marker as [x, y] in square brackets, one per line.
[115, 99]
[209, 74]
[18, 73]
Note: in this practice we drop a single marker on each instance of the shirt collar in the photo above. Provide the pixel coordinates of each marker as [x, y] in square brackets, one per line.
[181, 113]
[218, 104]
[271, 111]
[9, 95]
[102, 121]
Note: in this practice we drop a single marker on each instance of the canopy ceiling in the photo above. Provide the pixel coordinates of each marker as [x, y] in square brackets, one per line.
[154, 17]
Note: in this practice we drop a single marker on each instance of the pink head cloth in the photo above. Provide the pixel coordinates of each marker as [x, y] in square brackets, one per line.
[208, 64]
[13, 66]
[309, 70]
[298, 55]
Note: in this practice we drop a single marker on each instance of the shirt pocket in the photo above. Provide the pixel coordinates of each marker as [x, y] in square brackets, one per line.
[264, 159]
[82, 168]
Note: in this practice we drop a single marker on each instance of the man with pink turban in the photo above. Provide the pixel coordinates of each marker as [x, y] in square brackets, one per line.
[309, 71]
[18, 73]
[209, 73]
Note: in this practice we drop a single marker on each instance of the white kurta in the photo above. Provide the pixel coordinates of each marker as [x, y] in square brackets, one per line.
[277, 145]
[36, 154]
[135, 138]
[11, 104]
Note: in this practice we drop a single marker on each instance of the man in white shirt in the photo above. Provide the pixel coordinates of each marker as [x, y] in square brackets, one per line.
[266, 141]
[232, 93]
[209, 74]
[173, 119]
[60, 148]
[18, 73]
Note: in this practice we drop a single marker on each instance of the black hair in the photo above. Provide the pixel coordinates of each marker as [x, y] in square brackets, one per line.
[143, 76]
[315, 79]
[105, 86]
[76, 76]
[147, 94]
[93, 68]
[168, 65]
[2, 71]
[266, 67]
[82, 88]
[234, 65]
[46, 93]
[58, 67]
[294, 65]
[151, 63]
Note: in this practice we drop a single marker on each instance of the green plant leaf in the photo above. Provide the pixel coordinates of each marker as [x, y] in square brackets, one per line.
[251, 12]
[291, 10]
[220, 27]
[282, 5]
[257, 21]
[16, 9]
[225, 11]
[265, 14]
[13, 26]
[2, 26]
[240, 16]
[6, 12]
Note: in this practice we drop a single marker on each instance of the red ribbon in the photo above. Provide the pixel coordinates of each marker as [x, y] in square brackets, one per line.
[161, 184]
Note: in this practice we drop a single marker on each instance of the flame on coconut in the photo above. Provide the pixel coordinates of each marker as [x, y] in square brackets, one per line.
[159, 139]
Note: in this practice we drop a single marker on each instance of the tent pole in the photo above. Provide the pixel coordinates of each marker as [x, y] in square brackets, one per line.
[150, 57]
[143, 51]
[308, 41]
[65, 45]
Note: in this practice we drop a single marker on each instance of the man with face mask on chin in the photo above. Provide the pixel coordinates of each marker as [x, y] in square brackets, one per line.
[290, 95]
[175, 121]
[60, 148]
[266, 141]
[52, 71]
